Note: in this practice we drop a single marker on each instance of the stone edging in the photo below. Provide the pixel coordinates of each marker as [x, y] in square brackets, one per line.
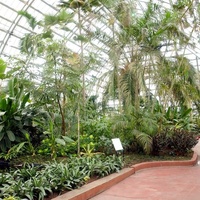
[92, 189]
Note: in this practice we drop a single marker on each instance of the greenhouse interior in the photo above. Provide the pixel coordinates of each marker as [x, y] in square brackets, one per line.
[76, 74]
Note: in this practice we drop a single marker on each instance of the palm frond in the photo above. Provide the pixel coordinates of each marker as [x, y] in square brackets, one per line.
[30, 19]
[145, 140]
[61, 17]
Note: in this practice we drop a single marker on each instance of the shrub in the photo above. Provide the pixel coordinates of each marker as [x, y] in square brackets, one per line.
[182, 141]
[173, 142]
[161, 143]
[104, 144]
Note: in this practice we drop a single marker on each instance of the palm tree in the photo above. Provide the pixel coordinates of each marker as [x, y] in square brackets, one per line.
[146, 37]
[178, 85]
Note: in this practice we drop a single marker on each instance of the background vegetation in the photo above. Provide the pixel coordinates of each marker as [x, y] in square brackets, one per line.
[51, 111]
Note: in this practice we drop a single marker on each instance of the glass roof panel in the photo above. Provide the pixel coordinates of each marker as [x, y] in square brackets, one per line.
[96, 26]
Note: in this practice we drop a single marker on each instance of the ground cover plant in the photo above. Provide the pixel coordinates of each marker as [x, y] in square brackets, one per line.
[37, 181]
[45, 179]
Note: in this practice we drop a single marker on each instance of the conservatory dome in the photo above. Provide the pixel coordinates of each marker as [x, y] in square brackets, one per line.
[108, 41]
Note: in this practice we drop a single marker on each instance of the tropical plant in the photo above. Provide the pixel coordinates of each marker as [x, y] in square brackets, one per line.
[136, 44]
[3, 67]
[59, 85]
[146, 36]
[182, 141]
[11, 198]
[179, 86]
[104, 145]
[176, 142]
[14, 151]
[38, 181]
[12, 107]
[54, 144]
[179, 118]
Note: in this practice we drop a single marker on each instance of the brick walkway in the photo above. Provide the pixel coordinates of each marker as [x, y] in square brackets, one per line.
[160, 183]
[164, 180]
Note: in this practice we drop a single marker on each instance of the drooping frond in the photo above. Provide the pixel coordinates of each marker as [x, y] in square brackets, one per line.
[30, 19]
[145, 140]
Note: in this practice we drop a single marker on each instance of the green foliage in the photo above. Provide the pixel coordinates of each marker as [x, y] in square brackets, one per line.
[11, 113]
[104, 145]
[26, 44]
[3, 66]
[145, 140]
[38, 181]
[11, 198]
[62, 146]
[179, 118]
[97, 127]
[26, 182]
[108, 165]
[87, 144]
[97, 135]
[85, 5]
[54, 144]
[30, 19]
[31, 148]
[20, 121]
[14, 151]
[81, 38]
[61, 17]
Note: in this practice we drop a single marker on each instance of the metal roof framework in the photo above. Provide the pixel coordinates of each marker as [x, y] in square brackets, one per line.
[13, 27]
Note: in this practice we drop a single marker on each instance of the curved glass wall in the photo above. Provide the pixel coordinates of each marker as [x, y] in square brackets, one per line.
[104, 37]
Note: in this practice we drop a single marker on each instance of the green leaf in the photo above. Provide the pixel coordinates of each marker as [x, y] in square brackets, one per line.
[60, 141]
[67, 139]
[81, 38]
[50, 20]
[65, 28]
[144, 139]
[20, 146]
[2, 66]
[17, 118]
[2, 146]
[1, 127]
[27, 136]
[10, 135]
[11, 85]
[30, 19]
[62, 17]
[2, 135]
[47, 34]
[2, 76]
[25, 100]
[186, 113]
[3, 104]
[26, 43]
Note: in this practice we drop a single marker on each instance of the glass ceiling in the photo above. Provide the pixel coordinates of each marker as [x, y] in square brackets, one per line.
[13, 27]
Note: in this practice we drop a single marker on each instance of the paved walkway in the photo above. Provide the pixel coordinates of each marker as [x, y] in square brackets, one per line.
[160, 183]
